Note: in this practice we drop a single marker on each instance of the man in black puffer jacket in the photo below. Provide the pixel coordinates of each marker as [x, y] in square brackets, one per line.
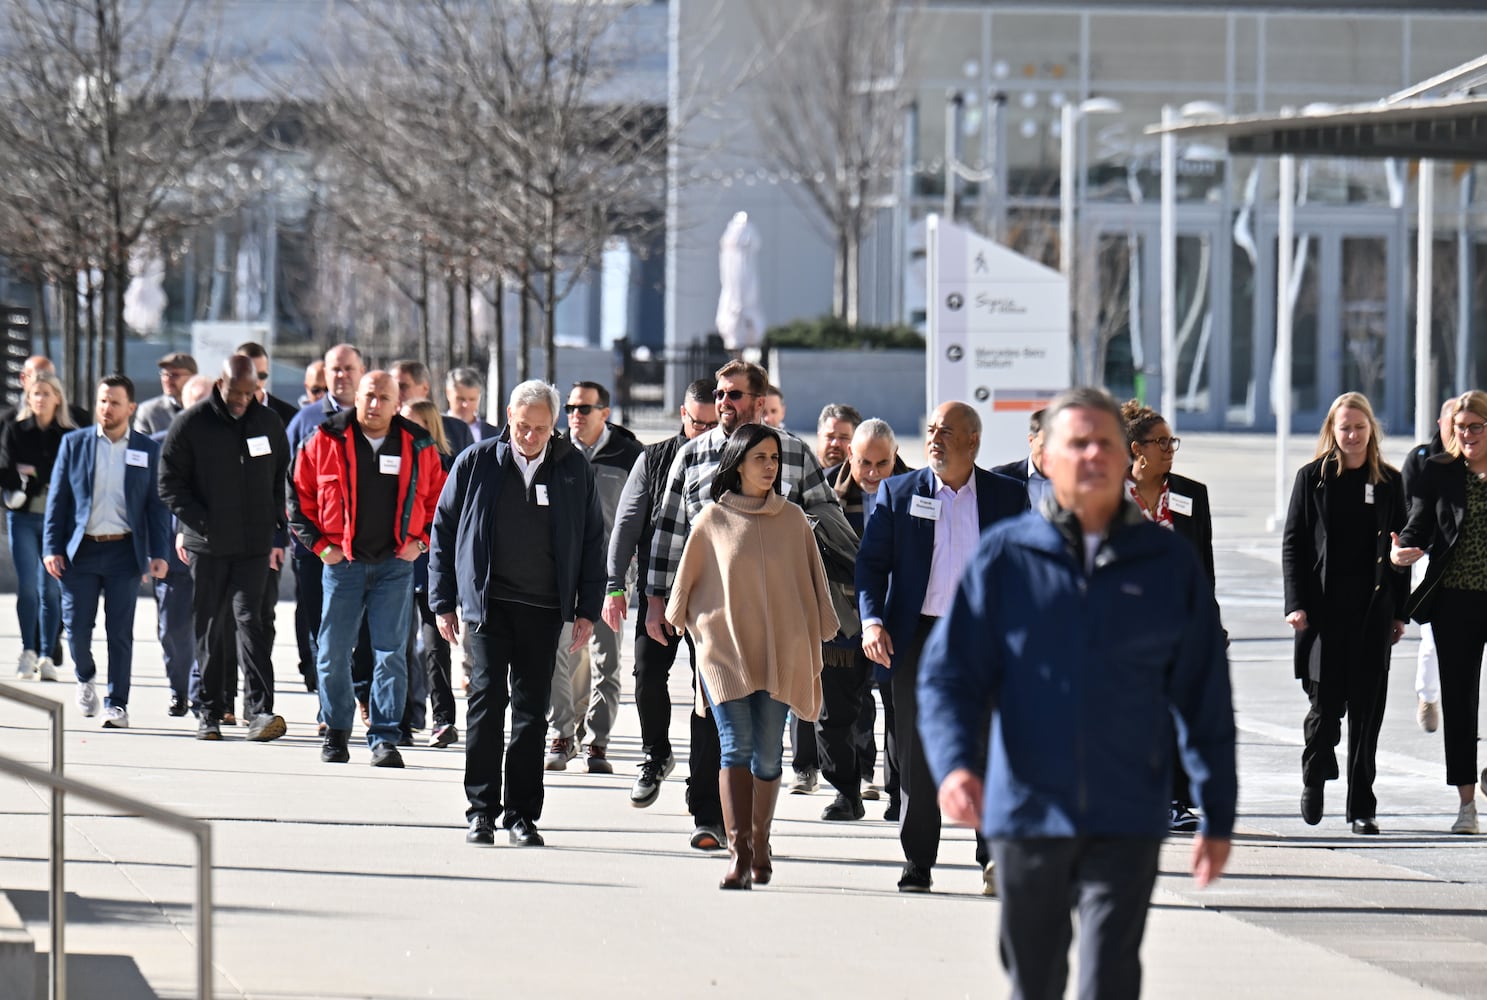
[222, 473]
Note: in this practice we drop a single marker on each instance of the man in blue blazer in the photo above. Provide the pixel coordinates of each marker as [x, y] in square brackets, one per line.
[922, 532]
[105, 527]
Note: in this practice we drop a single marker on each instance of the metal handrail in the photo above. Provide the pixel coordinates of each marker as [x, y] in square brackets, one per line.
[60, 785]
[57, 989]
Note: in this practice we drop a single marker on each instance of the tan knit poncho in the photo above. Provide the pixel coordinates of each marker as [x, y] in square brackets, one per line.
[752, 591]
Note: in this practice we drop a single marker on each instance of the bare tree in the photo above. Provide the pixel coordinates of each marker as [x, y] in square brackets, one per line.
[829, 114]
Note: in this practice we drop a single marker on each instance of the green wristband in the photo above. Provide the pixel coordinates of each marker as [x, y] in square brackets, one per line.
[615, 593]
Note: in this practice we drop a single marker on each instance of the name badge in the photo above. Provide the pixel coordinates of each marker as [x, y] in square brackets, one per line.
[541, 495]
[258, 446]
[389, 465]
[1179, 504]
[785, 485]
[926, 507]
[1368, 492]
[135, 457]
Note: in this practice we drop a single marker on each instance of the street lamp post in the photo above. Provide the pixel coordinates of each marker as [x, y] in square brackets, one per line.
[1070, 115]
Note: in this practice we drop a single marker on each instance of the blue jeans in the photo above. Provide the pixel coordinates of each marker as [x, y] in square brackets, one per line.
[383, 592]
[38, 598]
[109, 569]
[751, 732]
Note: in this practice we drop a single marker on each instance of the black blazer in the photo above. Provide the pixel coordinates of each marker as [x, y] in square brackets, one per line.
[1197, 525]
[1304, 551]
[1437, 511]
[1017, 470]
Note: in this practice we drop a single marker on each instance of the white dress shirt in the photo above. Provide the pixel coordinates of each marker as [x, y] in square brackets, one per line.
[956, 532]
[110, 513]
[528, 466]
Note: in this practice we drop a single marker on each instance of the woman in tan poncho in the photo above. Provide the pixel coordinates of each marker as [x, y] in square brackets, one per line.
[752, 591]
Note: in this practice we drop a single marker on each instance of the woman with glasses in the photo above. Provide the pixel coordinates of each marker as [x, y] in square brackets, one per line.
[752, 591]
[1344, 601]
[1175, 502]
[1448, 520]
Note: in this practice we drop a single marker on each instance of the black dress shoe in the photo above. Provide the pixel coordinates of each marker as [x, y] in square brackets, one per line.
[891, 814]
[523, 833]
[1365, 826]
[1311, 805]
[334, 749]
[482, 832]
[384, 754]
[177, 706]
[914, 879]
[843, 809]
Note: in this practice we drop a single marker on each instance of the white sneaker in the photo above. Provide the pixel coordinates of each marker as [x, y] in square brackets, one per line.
[805, 782]
[46, 668]
[26, 668]
[1428, 715]
[115, 717]
[1466, 819]
[87, 699]
[988, 879]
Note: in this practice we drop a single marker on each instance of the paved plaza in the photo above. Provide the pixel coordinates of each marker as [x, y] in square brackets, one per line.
[341, 881]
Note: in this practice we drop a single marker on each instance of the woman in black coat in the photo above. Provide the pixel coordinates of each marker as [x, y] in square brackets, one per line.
[1174, 502]
[1448, 518]
[1345, 601]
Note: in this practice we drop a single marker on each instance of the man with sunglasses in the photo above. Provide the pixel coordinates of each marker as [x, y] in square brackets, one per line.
[630, 541]
[587, 701]
[259, 355]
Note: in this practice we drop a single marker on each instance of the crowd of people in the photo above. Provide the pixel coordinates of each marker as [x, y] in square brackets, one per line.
[989, 611]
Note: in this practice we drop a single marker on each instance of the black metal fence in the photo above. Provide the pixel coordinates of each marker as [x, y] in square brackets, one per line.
[640, 385]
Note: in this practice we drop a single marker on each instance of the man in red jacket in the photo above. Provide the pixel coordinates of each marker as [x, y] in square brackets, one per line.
[365, 486]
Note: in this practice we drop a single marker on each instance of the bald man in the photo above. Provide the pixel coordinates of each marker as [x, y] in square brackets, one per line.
[41, 363]
[222, 473]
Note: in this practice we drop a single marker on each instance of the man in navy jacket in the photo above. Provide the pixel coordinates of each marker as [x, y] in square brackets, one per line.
[1087, 633]
[920, 535]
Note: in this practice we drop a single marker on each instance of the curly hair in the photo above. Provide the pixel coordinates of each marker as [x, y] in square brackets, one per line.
[1138, 419]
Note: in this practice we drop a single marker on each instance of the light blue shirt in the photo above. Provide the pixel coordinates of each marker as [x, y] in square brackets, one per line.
[1038, 486]
[869, 504]
[956, 533]
[110, 513]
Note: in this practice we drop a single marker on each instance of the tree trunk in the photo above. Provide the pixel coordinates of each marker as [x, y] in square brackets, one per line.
[116, 307]
[550, 322]
[423, 307]
[92, 319]
[38, 290]
[839, 278]
[524, 327]
[498, 345]
[849, 280]
[70, 369]
[450, 319]
[469, 320]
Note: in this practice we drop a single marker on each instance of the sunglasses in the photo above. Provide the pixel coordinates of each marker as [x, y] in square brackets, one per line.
[318, 390]
[583, 408]
[263, 376]
[732, 395]
[705, 425]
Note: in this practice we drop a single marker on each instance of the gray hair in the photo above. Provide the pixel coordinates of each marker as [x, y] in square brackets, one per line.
[1085, 397]
[838, 411]
[536, 391]
[874, 429]
[465, 378]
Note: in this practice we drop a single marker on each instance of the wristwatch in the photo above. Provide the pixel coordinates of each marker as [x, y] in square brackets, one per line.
[423, 546]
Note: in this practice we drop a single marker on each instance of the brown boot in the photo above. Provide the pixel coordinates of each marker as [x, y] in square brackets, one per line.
[765, 795]
[736, 789]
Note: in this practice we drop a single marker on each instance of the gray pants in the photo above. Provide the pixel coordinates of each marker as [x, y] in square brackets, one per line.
[589, 696]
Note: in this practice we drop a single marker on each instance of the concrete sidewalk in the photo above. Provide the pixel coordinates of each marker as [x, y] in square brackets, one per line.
[345, 881]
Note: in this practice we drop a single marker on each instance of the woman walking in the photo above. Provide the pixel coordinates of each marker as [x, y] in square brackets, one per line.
[425, 644]
[28, 450]
[1345, 601]
[752, 591]
[1175, 502]
[1448, 520]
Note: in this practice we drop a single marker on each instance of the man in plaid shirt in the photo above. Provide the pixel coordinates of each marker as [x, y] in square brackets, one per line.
[740, 398]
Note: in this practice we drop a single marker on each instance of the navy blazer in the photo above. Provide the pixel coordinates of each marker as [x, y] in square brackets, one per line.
[70, 500]
[894, 560]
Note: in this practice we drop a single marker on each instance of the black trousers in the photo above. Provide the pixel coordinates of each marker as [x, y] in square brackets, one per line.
[309, 595]
[838, 736]
[803, 753]
[436, 663]
[1108, 880]
[867, 742]
[1354, 682]
[919, 818]
[1459, 620]
[653, 663]
[226, 607]
[891, 782]
[267, 613]
[514, 651]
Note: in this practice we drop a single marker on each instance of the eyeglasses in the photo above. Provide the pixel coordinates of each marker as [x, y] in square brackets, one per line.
[1473, 428]
[584, 408]
[1166, 444]
[705, 425]
[732, 395]
[263, 376]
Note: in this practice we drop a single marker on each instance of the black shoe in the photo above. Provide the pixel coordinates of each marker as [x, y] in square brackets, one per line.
[1366, 826]
[333, 750]
[312, 682]
[891, 814]
[523, 833]
[482, 832]
[443, 735]
[843, 809]
[384, 754]
[914, 879]
[405, 740]
[1182, 819]
[1311, 805]
[177, 707]
[648, 785]
[208, 729]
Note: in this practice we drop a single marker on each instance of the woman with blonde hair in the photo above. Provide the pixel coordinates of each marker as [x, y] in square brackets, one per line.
[28, 450]
[1448, 519]
[1345, 601]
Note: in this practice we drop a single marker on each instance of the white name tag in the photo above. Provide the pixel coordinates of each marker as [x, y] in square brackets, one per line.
[541, 495]
[925, 507]
[389, 465]
[1179, 504]
[258, 446]
[1368, 492]
[136, 458]
[785, 485]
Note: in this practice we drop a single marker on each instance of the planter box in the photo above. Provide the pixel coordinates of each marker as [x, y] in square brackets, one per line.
[884, 384]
